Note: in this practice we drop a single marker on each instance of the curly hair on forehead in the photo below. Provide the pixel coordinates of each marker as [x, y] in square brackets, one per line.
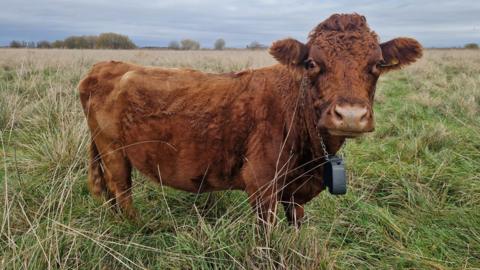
[340, 23]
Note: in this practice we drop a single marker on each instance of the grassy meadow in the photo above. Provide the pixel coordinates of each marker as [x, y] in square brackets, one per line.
[414, 184]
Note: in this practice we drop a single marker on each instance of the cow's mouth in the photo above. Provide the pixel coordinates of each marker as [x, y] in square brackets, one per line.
[348, 134]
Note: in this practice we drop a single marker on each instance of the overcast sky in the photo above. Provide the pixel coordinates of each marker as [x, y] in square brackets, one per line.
[435, 23]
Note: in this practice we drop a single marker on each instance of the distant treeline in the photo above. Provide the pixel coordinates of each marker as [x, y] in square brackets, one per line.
[219, 44]
[471, 46]
[102, 41]
[118, 41]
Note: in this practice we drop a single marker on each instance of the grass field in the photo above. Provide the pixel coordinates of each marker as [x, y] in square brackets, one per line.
[413, 199]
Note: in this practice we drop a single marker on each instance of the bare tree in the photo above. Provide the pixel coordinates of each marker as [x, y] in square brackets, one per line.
[219, 44]
[77, 42]
[255, 45]
[174, 45]
[17, 44]
[190, 44]
[22, 44]
[58, 44]
[44, 44]
[471, 46]
[114, 41]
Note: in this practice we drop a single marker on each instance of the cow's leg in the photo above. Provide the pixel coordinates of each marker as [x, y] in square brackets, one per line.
[264, 170]
[96, 177]
[117, 174]
[294, 213]
[262, 190]
[264, 201]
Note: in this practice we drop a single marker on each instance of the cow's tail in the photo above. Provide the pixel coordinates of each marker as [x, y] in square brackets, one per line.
[96, 178]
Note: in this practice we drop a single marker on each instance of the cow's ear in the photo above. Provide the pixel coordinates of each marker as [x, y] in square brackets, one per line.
[289, 52]
[400, 52]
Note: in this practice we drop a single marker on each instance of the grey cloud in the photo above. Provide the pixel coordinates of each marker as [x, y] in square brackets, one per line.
[434, 23]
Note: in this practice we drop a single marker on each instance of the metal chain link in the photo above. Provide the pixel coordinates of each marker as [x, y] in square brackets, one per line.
[324, 148]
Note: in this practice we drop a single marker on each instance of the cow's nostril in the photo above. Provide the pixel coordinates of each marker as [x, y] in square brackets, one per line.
[337, 113]
[364, 117]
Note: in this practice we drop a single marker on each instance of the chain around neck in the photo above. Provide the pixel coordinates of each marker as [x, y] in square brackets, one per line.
[303, 94]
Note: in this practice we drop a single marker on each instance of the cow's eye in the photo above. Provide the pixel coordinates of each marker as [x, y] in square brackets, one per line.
[376, 68]
[310, 64]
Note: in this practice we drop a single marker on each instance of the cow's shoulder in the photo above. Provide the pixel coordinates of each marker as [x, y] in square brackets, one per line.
[102, 77]
[108, 70]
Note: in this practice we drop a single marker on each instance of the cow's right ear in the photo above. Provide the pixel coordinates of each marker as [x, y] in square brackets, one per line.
[289, 52]
[400, 52]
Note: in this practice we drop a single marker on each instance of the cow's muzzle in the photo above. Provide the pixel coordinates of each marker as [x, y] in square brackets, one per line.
[350, 120]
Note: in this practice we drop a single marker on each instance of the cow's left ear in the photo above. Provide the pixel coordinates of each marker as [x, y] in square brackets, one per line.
[289, 52]
[400, 52]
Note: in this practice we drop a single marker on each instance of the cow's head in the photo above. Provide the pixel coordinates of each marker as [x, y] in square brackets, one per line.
[343, 60]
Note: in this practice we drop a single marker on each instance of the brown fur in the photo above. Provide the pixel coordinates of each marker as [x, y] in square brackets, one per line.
[250, 131]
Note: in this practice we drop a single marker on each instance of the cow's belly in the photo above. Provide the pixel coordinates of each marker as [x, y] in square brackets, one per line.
[181, 157]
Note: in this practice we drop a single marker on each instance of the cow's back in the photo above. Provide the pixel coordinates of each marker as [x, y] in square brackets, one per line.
[190, 127]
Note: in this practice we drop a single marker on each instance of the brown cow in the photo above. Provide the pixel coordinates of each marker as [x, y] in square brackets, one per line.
[257, 130]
